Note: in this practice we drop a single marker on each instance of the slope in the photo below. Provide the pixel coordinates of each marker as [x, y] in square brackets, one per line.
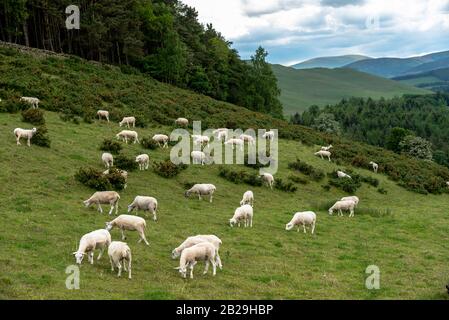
[435, 80]
[329, 62]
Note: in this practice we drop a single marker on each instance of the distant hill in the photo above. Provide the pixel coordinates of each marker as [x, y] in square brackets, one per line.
[429, 66]
[303, 88]
[329, 62]
[435, 80]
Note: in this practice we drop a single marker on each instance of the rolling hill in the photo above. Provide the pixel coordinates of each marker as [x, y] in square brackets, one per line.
[435, 80]
[303, 88]
[329, 62]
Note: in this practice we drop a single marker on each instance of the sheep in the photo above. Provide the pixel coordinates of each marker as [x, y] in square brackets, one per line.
[126, 135]
[375, 166]
[203, 251]
[104, 197]
[103, 114]
[123, 173]
[352, 198]
[129, 223]
[244, 213]
[128, 121]
[161, 138]
[268, 179]
[323, 154]
[248, 138]
[144, 161]
[447, 183]
[31, 100]
[327, 148]
[182, 122]
[302, 218]
[235, 142]
[191, 241]
[248, 198]
[24, 133]
[198, 157]
[341, 174]
[99, 239]
[145, 204]
[108, 160]
[200, 140]
[201, 190]
[119, 253]
[221, 133]
[347, 205]
[268, 135]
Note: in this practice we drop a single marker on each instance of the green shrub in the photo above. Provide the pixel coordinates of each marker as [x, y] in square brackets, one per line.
[116, 179]
[168, 169]
[314, 174]
[345, 184]
[93, 178]
[33, 116]
[297, 179]
[238, 177]
[382, 191]
[111, 146]
[69, 117]
[149, 143]
[13, 105]
[41, 138]
[370, 180]
[123, 162]
[256, 165]
[285, 186]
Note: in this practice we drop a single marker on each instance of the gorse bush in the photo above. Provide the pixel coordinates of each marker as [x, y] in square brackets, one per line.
[285, 186]
[304, 168]
[346, 184]
[111, 146]
[149, 143]
[95, 179]
[239, 177]
[125, 163]
[40, 138]
[33, 116]
[168, 169]
[297, 179]
[13, 105]
[256, 165]
[69, 117]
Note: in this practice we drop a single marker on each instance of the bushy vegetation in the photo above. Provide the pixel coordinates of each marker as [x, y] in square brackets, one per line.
[41, 138]
[285, 186]
[168, 169]
[125, 163]
[95, 179]
[304, 168]
[149, 143]
[239, 177]
[350, 185]
[69, 117]
[111, 146]
[33, 116]
[297, 179]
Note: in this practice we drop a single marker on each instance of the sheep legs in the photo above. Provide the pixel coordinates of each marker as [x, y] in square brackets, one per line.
[143, 238]
[218, 261]
[313, 227]
[101, 253]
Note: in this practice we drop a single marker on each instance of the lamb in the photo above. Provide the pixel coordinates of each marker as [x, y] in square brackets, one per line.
[129, 223]
[145, 204]
[99, 239]
[323, 154]
[244, 213]
[182, 122]
[126, 135]
[341, 174]
[268, 179]
[128, 121]
[268, 135]
[31, 100]
[191, 241]
[103, 114]
[201, 190]
[235, 142]
[347, 205]
[248, 198]
[24, 133]
[327, 148]
[144, 161]
[375, 166]
[248, 138]
[352, 198]
[203, 251]
[108, 160]
[123, 173]
[307, 218]
[119, 253]
[104, 197]
[161, 138]
[198, 157]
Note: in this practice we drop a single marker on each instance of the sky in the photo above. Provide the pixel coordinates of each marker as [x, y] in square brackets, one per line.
[297, 30]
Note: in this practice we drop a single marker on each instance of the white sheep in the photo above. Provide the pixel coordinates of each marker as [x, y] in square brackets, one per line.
[204, 251]
[128, 121]
[248, 138]
[235, 142]
[268, 135]
[182, 122]
[145, 204]
[108, 160]
[375, 166]
[123, 173]
[351, 198]
[447, 183]
[161, 139]
[129, 223]
[307, 218]
[347, 205]
[248, 198]
[24, 133]
[244, 213]
[203, 189]
[221, 134]
[144, 161]
[198, 157]
[103, 114]
[31, 100]
[268, 179]
[327, 148]
[104, 197]
[341, 175]
[323, 154]
[119, 253]
[98, 239]
[126, 135]
[200, 140]
[191, 241]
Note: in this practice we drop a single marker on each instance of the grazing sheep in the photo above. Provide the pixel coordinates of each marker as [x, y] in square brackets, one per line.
[182, 122]
[248, 198]
[244, 213]
[268, 179]
[447, 183]
[323, 154]
[347, 205]
[326, 148]
[129, 223]
[161, 138]
[104, 197]
[145, 204]
[248, 138]
[200, 140]
[198, 157]
[123, 173]
[126, 135]
[128, 121]
[31, 100]
[201, 190]
[191, 241]
[103, 114]
[108, 159]
[119, 253]
[144, 161]
[307, 218]
[24, 133]
[341, 174]
[351, 198]
[221, 133]
[268, 135]
[375, 166]
[99, 239]
[235, 142]
[204, 251]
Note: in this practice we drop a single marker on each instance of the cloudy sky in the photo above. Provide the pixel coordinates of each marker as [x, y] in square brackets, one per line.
[296, 30]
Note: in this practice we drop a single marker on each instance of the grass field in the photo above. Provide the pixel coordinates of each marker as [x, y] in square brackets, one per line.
[43, 217]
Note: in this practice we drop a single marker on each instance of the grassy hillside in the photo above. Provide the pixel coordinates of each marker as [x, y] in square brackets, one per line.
[435, 80]
[303, 88]
[43, 218]
[329, 62]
